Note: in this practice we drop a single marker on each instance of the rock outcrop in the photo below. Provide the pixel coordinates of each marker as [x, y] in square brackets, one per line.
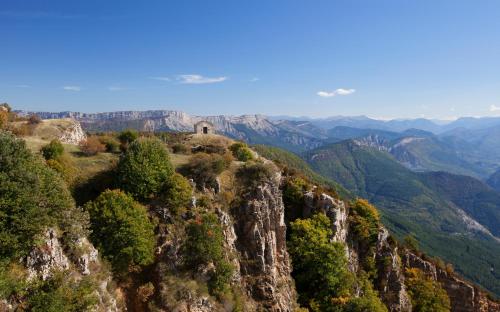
[50, 256]
[464, 296]
[260, 230]
[73, 134]
[43, 260]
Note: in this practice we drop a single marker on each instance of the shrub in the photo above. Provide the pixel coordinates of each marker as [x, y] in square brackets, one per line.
[204, 245]
[121, 229]
[426, 294]
[112, 144]
[319, 265]
[293, 197]
[177, 193]
[32, 198]
[64, 166]
[411, 243]
[241, 151]
[180, 148]
[92, 146]
[254, 174]
[127, 137]
[364, 222]
[34, 119]
[4, 119]
[144, 169]
[62, 294]
[204, 169]
[53, 150]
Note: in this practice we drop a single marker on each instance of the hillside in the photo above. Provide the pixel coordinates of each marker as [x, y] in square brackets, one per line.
[412, 203]
[238, 236]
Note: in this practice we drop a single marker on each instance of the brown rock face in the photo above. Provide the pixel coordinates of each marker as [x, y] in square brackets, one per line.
[261, 244]
[464, 297]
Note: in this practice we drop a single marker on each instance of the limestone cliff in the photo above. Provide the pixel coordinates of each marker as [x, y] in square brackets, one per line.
[260, 231]
[391, 262]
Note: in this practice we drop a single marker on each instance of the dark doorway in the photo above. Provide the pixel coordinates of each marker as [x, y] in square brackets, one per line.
[205, 130]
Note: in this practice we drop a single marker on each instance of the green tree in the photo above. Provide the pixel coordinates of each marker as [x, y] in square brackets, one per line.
[62, 294]
[177, 194]
[121, 229]
[364, 222]
[241, 151]
[144, 169]
[426, 294]
[204, 245]
[319, 265]
[32, 198]
[53, 150]
[127, 137]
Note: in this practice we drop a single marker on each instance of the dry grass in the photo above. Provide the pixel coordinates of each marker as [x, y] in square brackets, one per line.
[210, 139]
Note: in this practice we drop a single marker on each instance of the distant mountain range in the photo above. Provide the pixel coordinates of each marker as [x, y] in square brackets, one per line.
[469, 146]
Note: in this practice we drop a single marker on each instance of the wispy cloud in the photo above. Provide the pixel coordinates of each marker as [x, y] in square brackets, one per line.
[22, 86]
[494, 108]
[199, 79]
[336, 92]
[38, 15]
[72, 88]
[254, 79]
[161, 78]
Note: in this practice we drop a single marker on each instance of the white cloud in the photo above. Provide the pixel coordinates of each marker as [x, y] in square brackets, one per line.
[336, 92]
[22, 86]
[72, 88]
[254, 79]
[199, 79]
[160, 78]
[494, 108]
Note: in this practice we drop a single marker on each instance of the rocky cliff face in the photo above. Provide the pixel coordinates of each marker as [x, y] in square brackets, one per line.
[390, 282]
[50, 256]
[260, 231]
[464, 296]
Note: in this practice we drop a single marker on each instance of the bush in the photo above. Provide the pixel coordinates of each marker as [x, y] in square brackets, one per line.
[32, 198]
[293, 197]
[112, 144]
[204, 245]
[121, 229]
[34, 119]
[53, 150]
[364, 222]
[426, 294]
[127, 137]
[92, 146]
[411, 243]
[254, 174]
[4, 119]
[319, 265]
[180, 148]
[177, 194]
[65, 167]
[144, 169]
[204, 169]
[241, 151]
[62, 294]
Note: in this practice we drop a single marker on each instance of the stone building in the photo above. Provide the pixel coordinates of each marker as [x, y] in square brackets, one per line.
[204, 127]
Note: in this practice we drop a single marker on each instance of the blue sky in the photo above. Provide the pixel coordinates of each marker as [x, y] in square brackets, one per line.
[398, 58]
